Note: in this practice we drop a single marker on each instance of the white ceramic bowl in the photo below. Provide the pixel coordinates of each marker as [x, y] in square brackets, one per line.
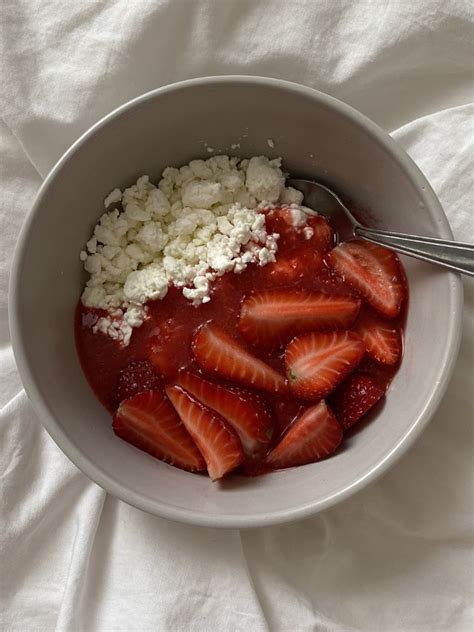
[318, 137]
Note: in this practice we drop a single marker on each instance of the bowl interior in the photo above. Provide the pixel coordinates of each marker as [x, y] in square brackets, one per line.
[317, 137]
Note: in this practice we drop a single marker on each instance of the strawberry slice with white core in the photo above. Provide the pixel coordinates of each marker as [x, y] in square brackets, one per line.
[217, 442]
[314, 435]
[382, 340]
[273, 317]
[242, 410]
[373, 271]
[149, 422]
[217, 352]
[317, 362]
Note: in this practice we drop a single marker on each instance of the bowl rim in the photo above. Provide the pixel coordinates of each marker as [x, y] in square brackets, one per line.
[249, 520]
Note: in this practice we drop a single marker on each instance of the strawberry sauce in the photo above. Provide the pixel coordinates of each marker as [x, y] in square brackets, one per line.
[165, 337]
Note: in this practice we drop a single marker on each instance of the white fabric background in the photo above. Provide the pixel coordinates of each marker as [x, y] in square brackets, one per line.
[398, 556]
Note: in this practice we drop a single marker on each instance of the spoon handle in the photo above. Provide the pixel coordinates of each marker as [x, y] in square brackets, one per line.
[451, 254]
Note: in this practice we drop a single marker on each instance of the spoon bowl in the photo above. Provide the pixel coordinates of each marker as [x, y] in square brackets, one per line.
[450, 254]
[321, 199]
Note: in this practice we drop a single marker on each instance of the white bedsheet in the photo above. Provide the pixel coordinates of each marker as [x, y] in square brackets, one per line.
[398, 556]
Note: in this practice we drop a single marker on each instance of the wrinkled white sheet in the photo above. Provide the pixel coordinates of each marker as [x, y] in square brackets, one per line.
[398, 556]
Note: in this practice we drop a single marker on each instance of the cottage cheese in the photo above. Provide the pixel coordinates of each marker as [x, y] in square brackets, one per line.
[201, 221]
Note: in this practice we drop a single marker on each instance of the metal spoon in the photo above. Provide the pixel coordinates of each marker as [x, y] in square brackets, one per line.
[450, 254]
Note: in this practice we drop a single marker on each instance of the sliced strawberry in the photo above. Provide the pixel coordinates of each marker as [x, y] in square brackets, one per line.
[273, 317]
[243, 410]
[373, 271]
[354, 398]
[293, 267]
[149, 422]
[318, 362]
[217, 352]
[218, 443]
[382, 340]
[314, 435]
[138, 376]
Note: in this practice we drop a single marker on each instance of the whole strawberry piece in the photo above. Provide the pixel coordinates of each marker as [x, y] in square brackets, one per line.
[354, 398]
[138, 376]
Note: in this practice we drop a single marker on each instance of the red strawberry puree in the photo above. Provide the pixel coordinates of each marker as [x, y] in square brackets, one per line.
[266, 420]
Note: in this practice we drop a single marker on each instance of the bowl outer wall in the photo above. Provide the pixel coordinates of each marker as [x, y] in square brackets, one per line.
[336, 144]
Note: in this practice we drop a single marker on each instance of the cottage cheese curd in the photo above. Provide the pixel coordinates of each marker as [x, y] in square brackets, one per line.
[201, 221]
